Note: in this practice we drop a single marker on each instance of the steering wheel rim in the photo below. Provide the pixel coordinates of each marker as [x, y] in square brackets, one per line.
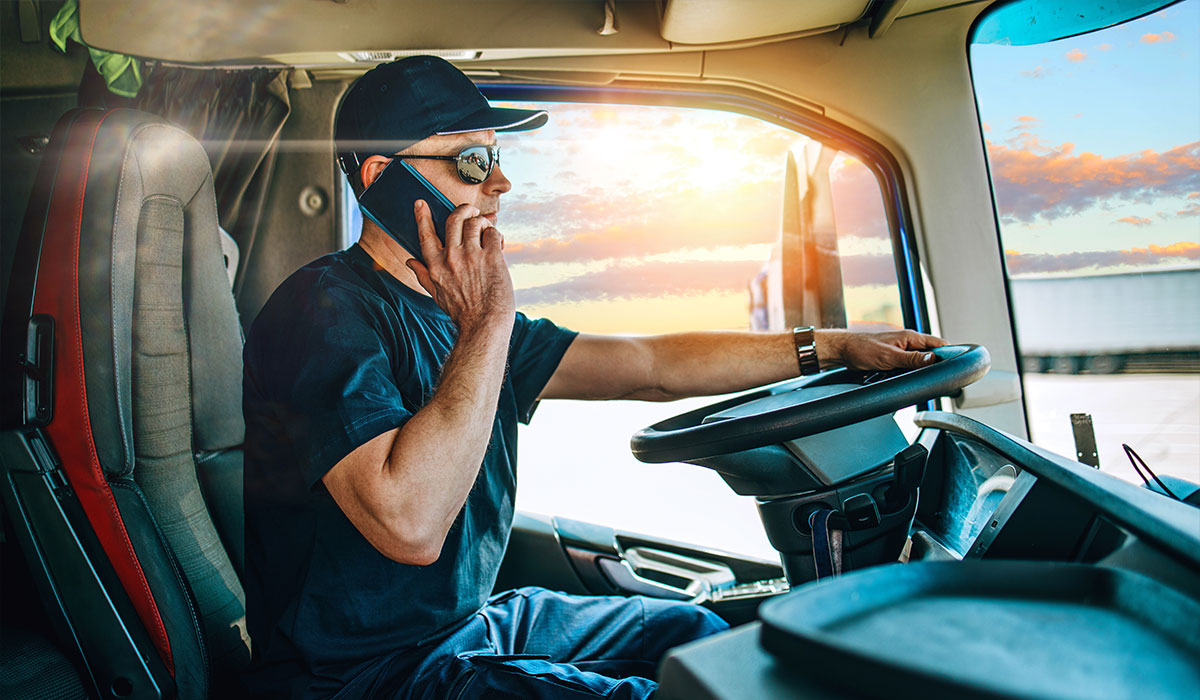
[683, 437]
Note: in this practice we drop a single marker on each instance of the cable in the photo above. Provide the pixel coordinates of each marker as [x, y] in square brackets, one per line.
[1134, 459]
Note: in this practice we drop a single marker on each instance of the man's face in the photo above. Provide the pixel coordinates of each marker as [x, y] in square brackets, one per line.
[444, 174]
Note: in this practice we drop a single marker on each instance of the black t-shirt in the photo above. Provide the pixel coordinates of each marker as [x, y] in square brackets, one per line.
[341, 353]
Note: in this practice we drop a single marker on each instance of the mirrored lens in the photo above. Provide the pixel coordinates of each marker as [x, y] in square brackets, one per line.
[475, 163]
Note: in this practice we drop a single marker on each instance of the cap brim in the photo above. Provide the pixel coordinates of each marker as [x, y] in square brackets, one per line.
[499, 119]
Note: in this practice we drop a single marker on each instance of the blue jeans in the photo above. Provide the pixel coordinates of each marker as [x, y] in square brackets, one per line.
[532, 643]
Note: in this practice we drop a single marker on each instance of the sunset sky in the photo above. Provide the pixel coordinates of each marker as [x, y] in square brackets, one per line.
[653, 219]
[627, 219]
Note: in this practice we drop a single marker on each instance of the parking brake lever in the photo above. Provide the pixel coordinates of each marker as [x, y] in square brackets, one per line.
[909, 471]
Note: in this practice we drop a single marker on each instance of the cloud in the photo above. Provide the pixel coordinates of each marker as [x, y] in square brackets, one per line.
[1035, 181]
[1026, 263]
[1156, 38]
[1076, 56]
[1025, 122]
[1135, 220]
[653, 279]
[857, 202]
[1105, 47]
[590, 225]
[1193, 195]
[1192, 209]
[596, 225]
[986, 126]
[1035, 72]
[868, 270]
[666, 278]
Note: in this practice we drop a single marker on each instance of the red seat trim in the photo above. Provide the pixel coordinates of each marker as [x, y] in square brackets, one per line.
[57, 294]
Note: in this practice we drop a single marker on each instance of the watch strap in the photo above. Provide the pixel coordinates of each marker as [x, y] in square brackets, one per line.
[805, 338]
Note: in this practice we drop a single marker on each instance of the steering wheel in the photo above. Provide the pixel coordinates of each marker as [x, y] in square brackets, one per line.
[793, 410]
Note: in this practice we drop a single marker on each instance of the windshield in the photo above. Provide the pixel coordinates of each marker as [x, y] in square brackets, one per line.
[1093, 143]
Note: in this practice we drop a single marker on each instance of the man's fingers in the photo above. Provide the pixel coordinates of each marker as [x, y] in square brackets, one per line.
[426, 233]
[491, 237]
[915, 360]
[455, 221]
[422, 274]
[921, 341]
[472, 231]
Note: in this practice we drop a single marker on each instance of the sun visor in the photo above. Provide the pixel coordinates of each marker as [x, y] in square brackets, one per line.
[708, 22]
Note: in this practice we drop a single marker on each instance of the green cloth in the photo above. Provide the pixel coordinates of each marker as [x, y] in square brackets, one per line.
[122, 73]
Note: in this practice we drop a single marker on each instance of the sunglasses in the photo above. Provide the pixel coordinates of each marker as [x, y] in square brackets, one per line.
[474, 163]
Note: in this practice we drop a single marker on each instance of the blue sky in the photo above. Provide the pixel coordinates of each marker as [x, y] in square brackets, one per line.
[1110, 121]
[1157, 84]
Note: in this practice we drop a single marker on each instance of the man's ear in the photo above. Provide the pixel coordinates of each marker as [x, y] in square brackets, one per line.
[371, 168]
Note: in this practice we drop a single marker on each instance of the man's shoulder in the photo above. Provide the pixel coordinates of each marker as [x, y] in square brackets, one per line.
[328, 279]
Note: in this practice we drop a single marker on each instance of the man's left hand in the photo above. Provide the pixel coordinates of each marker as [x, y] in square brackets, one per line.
[887, 350]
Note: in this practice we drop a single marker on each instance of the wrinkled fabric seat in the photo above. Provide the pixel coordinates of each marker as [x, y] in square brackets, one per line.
[124, 477]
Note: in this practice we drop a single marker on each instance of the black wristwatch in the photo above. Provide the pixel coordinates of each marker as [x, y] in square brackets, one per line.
[806, 349]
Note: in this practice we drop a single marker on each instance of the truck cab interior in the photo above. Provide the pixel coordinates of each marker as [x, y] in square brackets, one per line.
[166, 165]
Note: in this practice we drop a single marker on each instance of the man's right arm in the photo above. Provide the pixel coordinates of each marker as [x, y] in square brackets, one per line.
[403, 489]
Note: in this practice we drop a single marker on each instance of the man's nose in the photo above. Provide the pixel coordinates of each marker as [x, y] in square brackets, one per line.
[496, 182]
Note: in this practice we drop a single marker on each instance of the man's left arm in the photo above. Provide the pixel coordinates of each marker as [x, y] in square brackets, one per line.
[675, 366]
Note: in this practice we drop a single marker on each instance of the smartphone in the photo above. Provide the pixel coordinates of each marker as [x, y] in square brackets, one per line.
[389, 203]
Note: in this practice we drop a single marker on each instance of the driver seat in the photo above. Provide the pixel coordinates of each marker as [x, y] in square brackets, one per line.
[121, 408]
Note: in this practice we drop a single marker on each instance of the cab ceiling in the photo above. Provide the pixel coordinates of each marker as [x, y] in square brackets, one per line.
[332, 32]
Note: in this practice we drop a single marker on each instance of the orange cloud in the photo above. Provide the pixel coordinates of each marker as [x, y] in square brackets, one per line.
[1035, 72]
[1025, 122]
[587, 227]
[653, 279]
[662, 279]
[1104, 47]
[1076, 56]
[1135, 220]
[1037, 181]
[1181, 251]
[1192, 209]
[1156, 38]
[1193, 195]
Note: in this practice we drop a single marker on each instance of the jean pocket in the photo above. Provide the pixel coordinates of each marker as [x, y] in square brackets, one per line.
[535, 676]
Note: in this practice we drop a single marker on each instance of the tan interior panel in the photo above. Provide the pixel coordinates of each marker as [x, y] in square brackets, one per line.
[707, 22]
[237, 30]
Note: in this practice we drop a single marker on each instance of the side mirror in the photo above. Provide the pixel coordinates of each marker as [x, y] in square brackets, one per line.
[802, 282]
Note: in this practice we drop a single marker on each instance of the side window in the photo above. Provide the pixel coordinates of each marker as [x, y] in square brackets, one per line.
[1097, 192]
[645, 220]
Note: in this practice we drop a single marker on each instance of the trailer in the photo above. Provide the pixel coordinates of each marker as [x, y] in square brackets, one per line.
[1148, 321]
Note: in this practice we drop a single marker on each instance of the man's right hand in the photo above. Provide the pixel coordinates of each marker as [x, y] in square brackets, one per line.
[467, 276]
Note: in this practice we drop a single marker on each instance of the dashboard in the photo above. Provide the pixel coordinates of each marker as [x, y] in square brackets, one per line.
[1024, 567]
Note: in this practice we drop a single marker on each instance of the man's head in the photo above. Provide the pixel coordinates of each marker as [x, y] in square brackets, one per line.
[418, 105]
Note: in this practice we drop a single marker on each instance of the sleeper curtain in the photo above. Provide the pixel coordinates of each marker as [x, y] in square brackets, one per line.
[237, 115]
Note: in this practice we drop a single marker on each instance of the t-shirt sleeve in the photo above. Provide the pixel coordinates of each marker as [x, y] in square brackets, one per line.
[333, 377]
[536, 348]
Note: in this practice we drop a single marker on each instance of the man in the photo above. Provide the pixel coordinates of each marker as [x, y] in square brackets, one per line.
[381, 401]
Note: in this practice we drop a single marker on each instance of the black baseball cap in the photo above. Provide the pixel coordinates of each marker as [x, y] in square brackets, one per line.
[397, 104]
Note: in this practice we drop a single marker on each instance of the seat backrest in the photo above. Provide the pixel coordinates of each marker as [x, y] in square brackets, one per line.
[121, 249]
